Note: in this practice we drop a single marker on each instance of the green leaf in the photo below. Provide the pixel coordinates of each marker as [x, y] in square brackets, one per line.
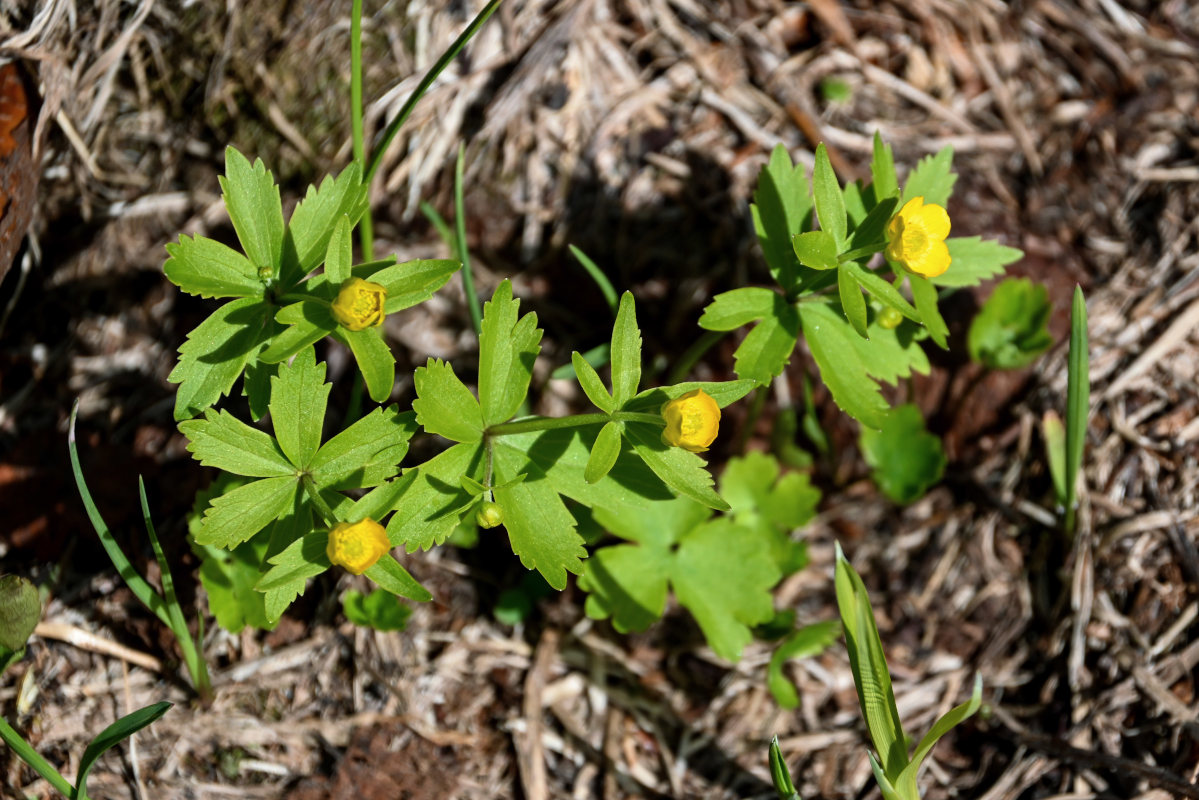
[223, 441]
[508, 348]
[882, 170]
[375, 361]
[753, 488]
[593, 387]
[444, 405]
[215, 354]
[933, 179]
[540, 528]
[626, 352]
[252, 199]
[766, 350]
[826, 192]
[730, 310]
[435, 502]
[1078, 400]
[806, 642]
[379, 610]
[312, 222]
[604, 452]
[366, 453]
[303, 559]
[816, 249]
[720, 553]
[889, 355]
[906, 458]
[1054, 434]
[392, 577]
[114, 734]
[870, 235]
[340, 255]
[256, 385]
[1011, 330]
[308, 323]
[869, 667]
[925, 295]
[841, 368]
[289, 527]
[881, 289]
[237, 515]
[210, 269]
[299, 396]
[20, 611]
[723, 392]
[228, 577]
[597, 275]
[782, 201]
[679, 469]
[855, 203]
[974, 260]
[852, 301]
[905, 784]
[628, 583]
[413, 282]
[779, 773]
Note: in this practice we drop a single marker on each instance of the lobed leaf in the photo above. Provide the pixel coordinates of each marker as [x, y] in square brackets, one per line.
[216, 352]
[223, 441]
[625, 352]
[730, 310]
[842, 369]
[375, 361]
[933, 179]
[508, 348]
[365, 454]
[252, 200]
[974, 260]
[207, 268]
[299, 396]
[240, 513]
[593, 387]
[830, 202]
[782, 203]
[679, 469]
[444, 405]
[312, 222]
[766, 350]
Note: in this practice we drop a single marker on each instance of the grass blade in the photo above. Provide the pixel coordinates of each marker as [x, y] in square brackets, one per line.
[468, 277]
[26, 753]
[597, 275]
[123, 728]
[1078, 403]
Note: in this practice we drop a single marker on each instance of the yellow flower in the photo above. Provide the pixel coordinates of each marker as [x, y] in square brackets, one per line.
[357, 545]
[692, 421]
[916, 238]
[359, 304]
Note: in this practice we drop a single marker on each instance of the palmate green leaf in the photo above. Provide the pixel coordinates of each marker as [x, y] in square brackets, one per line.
[889, 355]
[375, 361]
[228, 577]
[933, 179]
[628, 583]
[852, 301]
[390, 576]
[299, 396]
[412, 282]
[207, 268]
[216, 352]
[308, 323]
[379, 610]
[925, 296]
[223, 441]
[625, 352]
[365, 454]
[907, 460]
[593, 387]
[816, 249]
[252, 200]
[339, 256]
[540, 528]
[882, 170]
[766, 349]
[806, 642]
[830, 202]
[604, 452]
[114, 734]
[508, 348]
[444, 405]
[720, 553]
[285, 581]
[841, 368]
[882, 290]
[312, 222]
[782, 202]
[753, 488]
[435, 502]
[730, 310]
[724, 393]
[974, 260]
[237, 515]
[869, 667]
[682, 471]
[905, 784]
[1011, 330]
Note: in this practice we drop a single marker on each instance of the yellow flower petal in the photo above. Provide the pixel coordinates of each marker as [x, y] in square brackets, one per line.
[935, 221]
[356, 546]
[933, 261]
[692, 421]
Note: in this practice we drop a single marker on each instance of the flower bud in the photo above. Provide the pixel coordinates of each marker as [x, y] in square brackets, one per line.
[692, 421]
[359, 304]
[356, 546]
[489, 515]
[889, 319]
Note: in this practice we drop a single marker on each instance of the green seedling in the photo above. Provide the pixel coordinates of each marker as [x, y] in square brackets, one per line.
[379, 610]
[906, 459]
[1012, 329]
[20, 610]
[779, 774]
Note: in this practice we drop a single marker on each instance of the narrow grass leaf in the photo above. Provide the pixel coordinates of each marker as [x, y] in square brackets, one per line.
[597, 275]
[1078, 401]
[118, 731]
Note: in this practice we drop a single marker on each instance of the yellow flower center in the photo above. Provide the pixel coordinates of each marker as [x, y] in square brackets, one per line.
[359, 304]
[356, 546]
[692, 421]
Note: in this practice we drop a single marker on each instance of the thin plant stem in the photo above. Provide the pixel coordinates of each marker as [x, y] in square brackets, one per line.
[575, 421]
[31, 757]
[318, 502]
[448, 56]
[365, 226]
[468, 278]
[693, 354]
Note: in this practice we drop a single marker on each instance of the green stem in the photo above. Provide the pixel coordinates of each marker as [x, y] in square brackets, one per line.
[574, 421]
[693, 354]
[449, 55]
[365, 228]
[468, 278]
[318, 502]
[30, 756]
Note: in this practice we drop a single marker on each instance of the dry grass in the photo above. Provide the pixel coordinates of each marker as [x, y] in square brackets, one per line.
[635, 129]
